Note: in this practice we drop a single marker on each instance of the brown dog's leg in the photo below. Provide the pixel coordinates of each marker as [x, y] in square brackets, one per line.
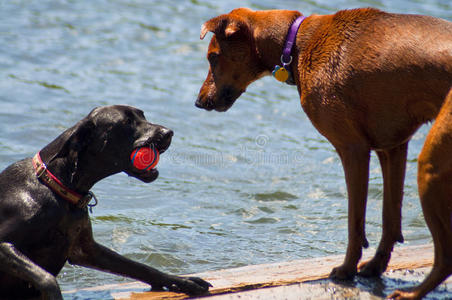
[436, 200]
[356, 167]
[392, 163]
[442, 265]
[435, 191]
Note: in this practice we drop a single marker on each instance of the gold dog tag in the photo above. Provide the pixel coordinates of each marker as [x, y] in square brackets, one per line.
[280, 73]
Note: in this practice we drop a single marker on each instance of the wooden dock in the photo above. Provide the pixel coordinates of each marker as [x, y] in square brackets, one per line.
[237, 283]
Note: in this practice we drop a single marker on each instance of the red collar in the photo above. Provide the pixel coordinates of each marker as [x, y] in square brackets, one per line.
[46, 177]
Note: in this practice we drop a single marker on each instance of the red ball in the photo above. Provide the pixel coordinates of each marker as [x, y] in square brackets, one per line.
[145, 158]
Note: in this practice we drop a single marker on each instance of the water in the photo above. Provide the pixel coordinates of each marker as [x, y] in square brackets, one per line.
[254, 185]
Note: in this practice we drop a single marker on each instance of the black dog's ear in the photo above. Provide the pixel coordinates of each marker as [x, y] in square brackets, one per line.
[97, 137]
[79, 139]
[225, 26]
[70, 144]
[77, 143]
[74, 138]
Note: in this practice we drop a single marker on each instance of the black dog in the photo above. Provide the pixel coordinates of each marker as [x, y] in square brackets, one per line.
[44, 219]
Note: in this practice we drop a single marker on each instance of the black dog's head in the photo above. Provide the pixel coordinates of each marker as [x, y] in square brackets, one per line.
[100, 145]
[120, 130]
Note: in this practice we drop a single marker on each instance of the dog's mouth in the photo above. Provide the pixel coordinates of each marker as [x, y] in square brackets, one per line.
[150, 172]
[222, 102]
[145, 176]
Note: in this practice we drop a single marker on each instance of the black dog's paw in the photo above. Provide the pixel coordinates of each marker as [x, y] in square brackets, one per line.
[188, 285]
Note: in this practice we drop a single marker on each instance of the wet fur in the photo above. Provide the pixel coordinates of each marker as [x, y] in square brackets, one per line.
[40, 231]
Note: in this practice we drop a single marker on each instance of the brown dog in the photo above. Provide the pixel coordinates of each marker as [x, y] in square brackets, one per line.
[435, 190]
[367, 80]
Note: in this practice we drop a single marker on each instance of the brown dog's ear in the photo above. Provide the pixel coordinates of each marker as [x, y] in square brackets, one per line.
[208, 26]
[222, 26]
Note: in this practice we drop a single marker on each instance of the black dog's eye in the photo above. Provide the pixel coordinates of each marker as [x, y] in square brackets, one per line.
[129, 121]
[141, 114]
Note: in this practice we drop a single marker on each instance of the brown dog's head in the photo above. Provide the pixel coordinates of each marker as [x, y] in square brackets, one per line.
[233, 60]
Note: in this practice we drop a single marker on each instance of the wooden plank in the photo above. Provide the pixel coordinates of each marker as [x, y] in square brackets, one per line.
[274, 274]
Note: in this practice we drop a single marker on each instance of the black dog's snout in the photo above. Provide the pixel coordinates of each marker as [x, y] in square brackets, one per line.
[165, 140]
[167, 133]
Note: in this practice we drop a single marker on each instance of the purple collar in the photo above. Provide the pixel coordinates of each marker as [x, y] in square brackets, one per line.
[286, 58]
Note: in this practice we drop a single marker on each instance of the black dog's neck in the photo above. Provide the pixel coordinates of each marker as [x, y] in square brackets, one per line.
[63, 169]
[74, 170]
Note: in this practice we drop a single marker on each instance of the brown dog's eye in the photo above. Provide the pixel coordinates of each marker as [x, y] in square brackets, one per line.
[213, 58]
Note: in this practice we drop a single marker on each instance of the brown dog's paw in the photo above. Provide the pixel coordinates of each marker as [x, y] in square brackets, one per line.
[401, 295]
[188, 285]
[343, 272]
[371, 269]
[374, 267]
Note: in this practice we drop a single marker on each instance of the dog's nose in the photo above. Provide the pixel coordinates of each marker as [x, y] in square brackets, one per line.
[167, 133]
[198, 103]
[165, 141]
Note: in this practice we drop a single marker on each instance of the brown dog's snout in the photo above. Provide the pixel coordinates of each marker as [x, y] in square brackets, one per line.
[221, 101]
[204, 100]
[207, 94]
[199, 103]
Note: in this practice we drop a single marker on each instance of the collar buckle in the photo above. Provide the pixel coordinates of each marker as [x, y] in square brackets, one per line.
[286, 63]
[40, 170]
[85, 201]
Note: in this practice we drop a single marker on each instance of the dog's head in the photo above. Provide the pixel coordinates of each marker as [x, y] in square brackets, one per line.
[100, 144]
[123, 129]
[234, 63]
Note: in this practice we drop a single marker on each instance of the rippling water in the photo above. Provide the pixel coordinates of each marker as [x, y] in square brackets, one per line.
[256, 184]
